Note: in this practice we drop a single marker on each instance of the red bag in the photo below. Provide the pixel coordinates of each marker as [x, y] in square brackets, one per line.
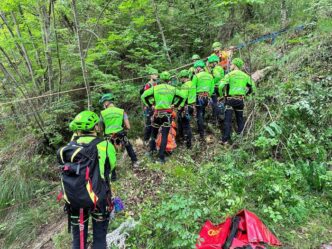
[213, 236]
[249, 230]
[252, 230]
[171, 143]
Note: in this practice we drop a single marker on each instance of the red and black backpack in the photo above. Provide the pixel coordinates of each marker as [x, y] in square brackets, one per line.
[82, 184]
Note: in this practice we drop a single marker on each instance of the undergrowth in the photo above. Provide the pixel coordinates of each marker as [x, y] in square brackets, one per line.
[280, 169]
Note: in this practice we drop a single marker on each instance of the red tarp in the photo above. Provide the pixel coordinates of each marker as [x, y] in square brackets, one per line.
[251, 231]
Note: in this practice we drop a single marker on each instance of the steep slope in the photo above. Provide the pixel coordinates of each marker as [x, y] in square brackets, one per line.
[280, 168]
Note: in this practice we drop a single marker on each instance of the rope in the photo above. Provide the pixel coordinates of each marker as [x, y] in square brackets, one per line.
[118, 236]
[272, 36]
[42, 109]
[82, 88]
[51, 108]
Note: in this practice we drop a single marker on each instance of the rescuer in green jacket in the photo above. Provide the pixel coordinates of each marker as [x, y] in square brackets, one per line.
[85, 127]
[148, 111]
[204, 85]
[114, 120]
[235, 86]
[194, 58]
[186, 110]
[218, 73]
[224, 55]
[163, 97]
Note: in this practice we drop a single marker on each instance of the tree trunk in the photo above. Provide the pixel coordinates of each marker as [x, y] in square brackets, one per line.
[283, 12]
[161, 31]
[14, 67]
[57, 48]
[83, 66]
[20, 50]
[95, 26]
[36, 115]
[37, 54]
[8, 93]
[45, 24]
[25, 53]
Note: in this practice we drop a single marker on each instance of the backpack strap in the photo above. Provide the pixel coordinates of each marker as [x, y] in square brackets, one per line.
[107, 166]
[85, 150]
[94, 142]
[233, 232]
[75, 153]
[61, 154]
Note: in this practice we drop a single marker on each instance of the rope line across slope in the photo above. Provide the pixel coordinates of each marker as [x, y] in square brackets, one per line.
[271, 35]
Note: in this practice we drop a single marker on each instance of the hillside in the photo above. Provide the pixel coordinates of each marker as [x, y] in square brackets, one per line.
[280, 168]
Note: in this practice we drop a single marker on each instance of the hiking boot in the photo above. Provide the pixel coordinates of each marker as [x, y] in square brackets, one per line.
[136, 164]
[224, 142]
[188, 145]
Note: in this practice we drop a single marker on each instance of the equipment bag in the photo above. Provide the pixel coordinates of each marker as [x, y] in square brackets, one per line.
[82, 185]
[244, 231]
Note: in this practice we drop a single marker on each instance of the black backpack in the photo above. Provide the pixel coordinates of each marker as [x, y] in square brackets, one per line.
[82, 185]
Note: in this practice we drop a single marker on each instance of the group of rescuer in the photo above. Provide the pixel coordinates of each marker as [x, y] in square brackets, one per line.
[219, 83]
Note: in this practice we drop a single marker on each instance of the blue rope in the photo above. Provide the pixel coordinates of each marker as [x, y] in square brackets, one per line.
[271, 36]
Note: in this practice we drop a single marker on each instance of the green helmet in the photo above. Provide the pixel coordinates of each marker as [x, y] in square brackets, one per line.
[213, 58]
[238, 62]
[106, 97]
[184, 74]
[84, 121]
[199, 63]
[73, 126]
[152, 71]
[195, 57]
[216, 45]
[166, 76]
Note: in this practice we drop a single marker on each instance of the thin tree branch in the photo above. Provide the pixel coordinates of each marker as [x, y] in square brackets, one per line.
[83, 66]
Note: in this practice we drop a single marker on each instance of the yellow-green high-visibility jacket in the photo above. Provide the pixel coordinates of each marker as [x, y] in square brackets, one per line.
[203, 82]
[237, 83]
[113, 119]
[190, 93]
[163, 96]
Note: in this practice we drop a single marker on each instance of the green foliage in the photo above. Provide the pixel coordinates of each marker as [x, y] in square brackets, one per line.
[22, 226]
[174, 220]
[315, 174]
[62, 240]
[33, 176]
[280, 169]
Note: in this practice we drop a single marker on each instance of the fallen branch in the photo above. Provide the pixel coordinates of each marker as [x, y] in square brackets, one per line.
[260, 74]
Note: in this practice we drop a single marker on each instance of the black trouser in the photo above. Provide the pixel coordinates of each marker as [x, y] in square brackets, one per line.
[121, 138]
[201, 104]
[148, 113]
[99, 227]
[184, 128]
[237, 105]
[163, 120]
[216, 111]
